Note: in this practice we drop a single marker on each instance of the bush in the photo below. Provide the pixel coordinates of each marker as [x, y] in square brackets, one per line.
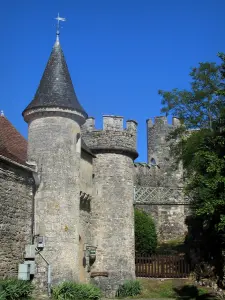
[12, 289]
[2, 295]
[145, 233]
[129, 288]
[76, 291]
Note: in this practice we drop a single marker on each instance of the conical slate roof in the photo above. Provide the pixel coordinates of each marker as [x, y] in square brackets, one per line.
[56, 87]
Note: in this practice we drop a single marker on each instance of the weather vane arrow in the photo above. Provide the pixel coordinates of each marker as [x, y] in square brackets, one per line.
[58, 18]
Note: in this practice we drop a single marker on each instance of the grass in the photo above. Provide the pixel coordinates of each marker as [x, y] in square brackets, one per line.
[179, 289]
[172, 289]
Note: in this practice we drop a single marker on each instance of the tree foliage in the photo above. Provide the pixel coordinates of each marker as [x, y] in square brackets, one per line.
[201, 104]
[204, 159]
[202, 152]
[145, 233]
[222, 71]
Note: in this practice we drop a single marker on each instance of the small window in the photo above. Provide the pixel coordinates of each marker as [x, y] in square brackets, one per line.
[153, 162]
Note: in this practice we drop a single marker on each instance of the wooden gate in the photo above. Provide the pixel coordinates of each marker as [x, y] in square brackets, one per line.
[162, 266]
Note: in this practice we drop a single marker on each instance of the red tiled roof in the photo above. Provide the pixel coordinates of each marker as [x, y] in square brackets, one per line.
[12, 144]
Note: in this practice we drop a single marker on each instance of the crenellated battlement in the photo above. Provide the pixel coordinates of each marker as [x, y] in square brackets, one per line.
[112, 123]
[162, 121]
[157, 133]
[113, 137]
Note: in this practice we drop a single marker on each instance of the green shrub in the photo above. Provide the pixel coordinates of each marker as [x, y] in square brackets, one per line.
[2, 295]
[76, 291]
[12, 289]
[145, 233]
[129, 288]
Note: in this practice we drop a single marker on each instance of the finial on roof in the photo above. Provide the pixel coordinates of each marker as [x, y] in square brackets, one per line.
[58, 27]
[56, 87]
[2, 113]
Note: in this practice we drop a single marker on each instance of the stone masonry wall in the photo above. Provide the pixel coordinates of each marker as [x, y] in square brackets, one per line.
[169, 219]
[159, 183]
[16, 202]
[166, 204]
[113, 137]
[113, 220]
[85, 237]
[54, 144]
[112, 204]
[86, 172]
[166, 172]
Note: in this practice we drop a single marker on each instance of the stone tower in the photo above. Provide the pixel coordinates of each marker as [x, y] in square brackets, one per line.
[165, 172]
[112, 205]
[54, 117]
[162, 177]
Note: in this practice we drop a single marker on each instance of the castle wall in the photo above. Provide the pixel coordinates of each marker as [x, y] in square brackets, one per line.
[162, 177]
[143, 175]
[16, 202]
[85, 237]
[169, 219]
[115, 140]
[166, 204]
[112, 214]
[158, 148]
[113, 136]
[166, 172]
[54, 144]
[113, 220]
[86, 172]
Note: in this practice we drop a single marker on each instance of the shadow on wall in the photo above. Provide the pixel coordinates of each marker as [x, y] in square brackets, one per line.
[85, 205]
[191, 292]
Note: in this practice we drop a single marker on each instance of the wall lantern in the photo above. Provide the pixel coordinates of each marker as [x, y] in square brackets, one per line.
[91, 252]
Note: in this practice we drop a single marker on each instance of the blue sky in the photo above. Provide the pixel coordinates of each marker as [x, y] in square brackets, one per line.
[119, 52]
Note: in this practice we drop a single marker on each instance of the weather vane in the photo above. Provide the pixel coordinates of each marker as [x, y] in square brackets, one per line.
[58, 25]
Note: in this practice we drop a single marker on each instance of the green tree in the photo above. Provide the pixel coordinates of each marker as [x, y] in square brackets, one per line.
[202, 152]
[145, 233]
[221, 92]
[201, 104]
[203, 155]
